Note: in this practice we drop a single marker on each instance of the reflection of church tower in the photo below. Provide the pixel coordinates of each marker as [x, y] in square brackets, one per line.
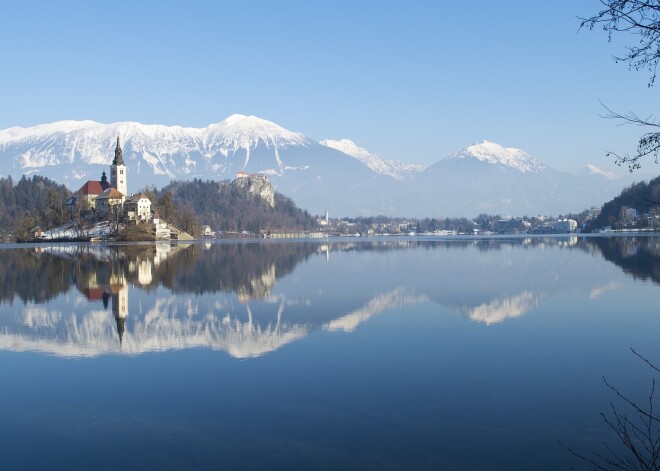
[118, 171]
[120, 309]
[121, 328]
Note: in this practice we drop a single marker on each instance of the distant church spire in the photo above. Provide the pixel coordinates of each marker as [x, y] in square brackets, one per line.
[119, 160]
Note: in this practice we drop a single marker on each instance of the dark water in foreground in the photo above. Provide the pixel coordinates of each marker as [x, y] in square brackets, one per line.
[395, 354]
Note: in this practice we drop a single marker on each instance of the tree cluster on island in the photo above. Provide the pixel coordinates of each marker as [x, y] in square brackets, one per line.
[225, 208]
[38, 203]
[31, 202]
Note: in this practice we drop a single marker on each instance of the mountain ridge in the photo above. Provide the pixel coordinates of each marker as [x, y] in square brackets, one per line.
[337, 175]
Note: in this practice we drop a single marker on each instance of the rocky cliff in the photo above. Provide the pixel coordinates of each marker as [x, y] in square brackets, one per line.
[256, 186]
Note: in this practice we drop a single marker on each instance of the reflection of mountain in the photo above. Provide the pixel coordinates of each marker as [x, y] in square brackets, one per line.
[163, 327]
[498, 310]
[174, 323]
[395, 298]
[237, 297]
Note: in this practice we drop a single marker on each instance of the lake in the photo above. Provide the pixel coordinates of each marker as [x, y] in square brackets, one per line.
[394, 353]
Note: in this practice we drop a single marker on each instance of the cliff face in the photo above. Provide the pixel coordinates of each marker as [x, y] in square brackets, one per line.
[256, 186]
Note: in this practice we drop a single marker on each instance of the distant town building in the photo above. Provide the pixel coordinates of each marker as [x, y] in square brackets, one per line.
[593, 212]
[512, 225]
[565, 225]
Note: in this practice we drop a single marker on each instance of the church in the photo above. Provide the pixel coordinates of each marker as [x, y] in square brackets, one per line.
[105, 197]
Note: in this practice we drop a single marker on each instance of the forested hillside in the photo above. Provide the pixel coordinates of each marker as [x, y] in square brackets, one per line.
[642, 196]
[35, 201]
[225, 207]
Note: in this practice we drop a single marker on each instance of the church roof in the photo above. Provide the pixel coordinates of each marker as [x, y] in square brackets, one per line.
[93, 294]
[111, 193]
[136, 198]
[92, 187]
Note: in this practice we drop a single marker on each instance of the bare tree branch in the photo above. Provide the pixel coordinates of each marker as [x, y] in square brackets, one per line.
[638, 435]
[640, 18]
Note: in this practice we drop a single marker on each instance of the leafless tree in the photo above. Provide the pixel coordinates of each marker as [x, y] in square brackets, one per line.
[641, 19]
[636, 426]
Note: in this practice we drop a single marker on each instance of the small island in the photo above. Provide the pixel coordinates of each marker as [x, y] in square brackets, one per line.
[40, 210]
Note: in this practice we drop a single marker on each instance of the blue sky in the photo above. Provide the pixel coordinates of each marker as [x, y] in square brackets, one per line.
[412, 81]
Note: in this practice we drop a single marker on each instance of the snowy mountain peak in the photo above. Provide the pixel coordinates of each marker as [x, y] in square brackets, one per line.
[348, 147]
[493, 153]
[240, 131]
[393, 168]
[167, 149]
[591, 169]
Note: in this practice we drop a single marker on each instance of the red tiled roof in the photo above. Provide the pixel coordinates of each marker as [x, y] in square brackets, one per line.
[93, 294]
[111, 193]
[92, 187]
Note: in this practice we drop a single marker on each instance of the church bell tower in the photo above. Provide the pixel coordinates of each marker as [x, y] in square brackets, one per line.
[118, 171]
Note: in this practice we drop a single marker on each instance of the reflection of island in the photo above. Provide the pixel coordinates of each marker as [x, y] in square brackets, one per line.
[186, 317]
[33, 276]
[252, 269]
[233, 297]
[42, 273]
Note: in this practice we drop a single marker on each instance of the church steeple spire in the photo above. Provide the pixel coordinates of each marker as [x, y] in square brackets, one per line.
[119, 160]
[118, 171]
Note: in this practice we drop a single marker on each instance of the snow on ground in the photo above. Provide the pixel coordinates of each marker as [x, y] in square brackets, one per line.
[100, 230]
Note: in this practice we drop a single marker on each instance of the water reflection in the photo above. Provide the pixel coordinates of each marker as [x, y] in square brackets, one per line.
[253, 298]
[500, 309]
[381, 302]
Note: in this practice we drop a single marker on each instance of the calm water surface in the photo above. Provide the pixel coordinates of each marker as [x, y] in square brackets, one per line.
[395, 354]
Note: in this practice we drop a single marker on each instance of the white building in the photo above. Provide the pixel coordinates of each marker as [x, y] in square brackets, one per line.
[207, 232]
[565, 225]
[162, 231]
[138, 207]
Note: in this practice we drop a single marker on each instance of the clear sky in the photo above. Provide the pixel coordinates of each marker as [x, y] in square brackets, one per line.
[408, 80]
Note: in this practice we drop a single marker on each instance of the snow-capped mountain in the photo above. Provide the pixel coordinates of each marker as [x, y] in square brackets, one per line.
[502, 157]
[591, 169]
[338, 175]
[168, 150]
[393, 168]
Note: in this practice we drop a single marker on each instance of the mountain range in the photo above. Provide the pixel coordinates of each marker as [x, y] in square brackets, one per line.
[334, 175]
